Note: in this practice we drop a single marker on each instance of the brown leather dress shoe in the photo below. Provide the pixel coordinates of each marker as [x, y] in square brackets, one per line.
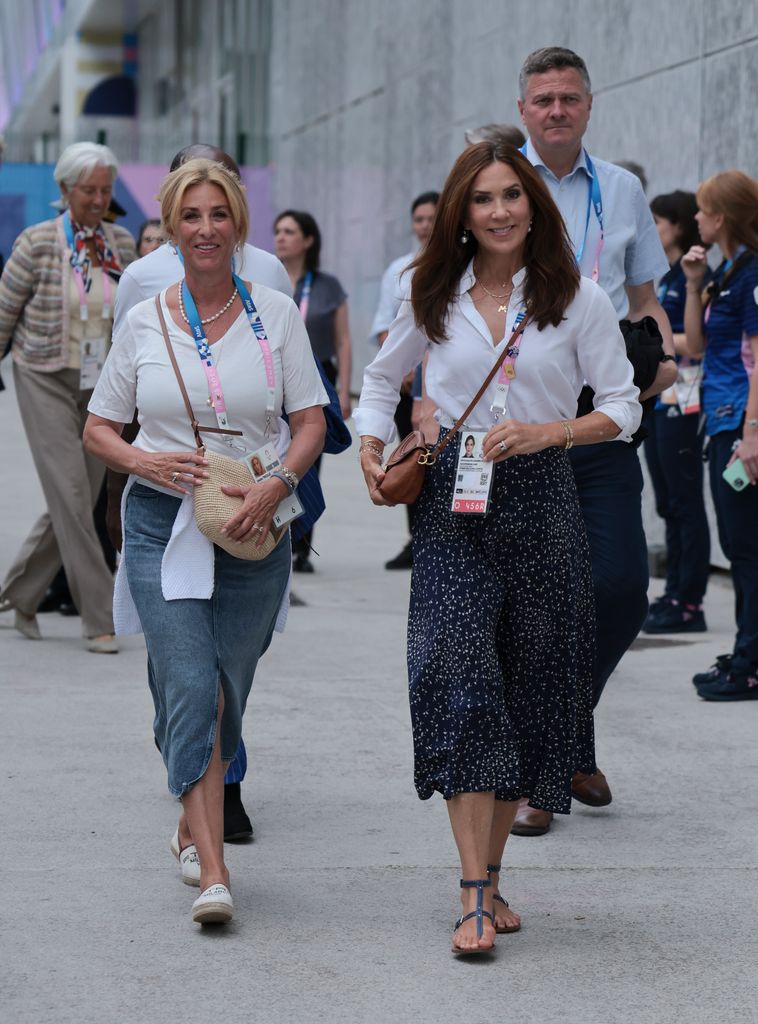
[591, 789]
[531, 822]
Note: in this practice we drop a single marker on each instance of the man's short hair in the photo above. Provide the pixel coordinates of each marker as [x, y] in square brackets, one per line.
[551, 58]
[509, 133]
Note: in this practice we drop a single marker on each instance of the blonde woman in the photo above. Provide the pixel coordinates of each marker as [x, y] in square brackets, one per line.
[206, 615]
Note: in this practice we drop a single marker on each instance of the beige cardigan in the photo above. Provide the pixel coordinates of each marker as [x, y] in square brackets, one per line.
[34, 312]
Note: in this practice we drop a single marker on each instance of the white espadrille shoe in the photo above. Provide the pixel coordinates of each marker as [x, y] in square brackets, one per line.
[188, 860]
[213, 905]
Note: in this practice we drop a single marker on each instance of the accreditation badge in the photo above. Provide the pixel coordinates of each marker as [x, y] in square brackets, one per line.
[92, 360]
[687, 389]
[473, 476]
[262, 463]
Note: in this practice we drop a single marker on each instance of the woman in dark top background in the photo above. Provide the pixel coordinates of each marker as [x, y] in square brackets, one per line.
[674, 446]
[322, 302]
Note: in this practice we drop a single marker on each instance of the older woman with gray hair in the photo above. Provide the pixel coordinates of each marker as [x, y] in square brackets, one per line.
[56, 312]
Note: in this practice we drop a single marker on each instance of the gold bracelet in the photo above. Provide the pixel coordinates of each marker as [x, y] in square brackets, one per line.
[569, 431]
[368, 446]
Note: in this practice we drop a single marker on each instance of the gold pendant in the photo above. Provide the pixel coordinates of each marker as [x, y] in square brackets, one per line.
[503, 309]
[209, 400]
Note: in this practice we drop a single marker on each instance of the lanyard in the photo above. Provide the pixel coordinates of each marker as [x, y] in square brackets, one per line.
[594, 201]
[305, 295]
[79, 275]
[508, 370]
[204, 351]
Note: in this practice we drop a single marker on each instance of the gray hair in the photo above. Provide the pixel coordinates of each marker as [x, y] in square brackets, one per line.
[496, 133]
[551, 58]
[80, 159]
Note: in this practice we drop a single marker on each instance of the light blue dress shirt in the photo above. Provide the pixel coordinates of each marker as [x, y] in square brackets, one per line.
[632, 252]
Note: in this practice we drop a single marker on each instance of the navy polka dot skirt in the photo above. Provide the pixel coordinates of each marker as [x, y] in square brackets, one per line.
[501, 636]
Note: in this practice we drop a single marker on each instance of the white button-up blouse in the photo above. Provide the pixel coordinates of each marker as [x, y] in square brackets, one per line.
[552, 365]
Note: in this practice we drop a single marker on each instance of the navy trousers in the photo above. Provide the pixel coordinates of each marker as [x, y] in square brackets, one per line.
[737, 517]
[609, 482]
[674, 455]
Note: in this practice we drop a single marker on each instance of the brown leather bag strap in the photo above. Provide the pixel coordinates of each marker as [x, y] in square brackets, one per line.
[196, 428]
[475, 400]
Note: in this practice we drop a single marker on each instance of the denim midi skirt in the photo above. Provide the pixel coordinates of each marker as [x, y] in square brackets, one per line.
[194, 647]
[501, 636]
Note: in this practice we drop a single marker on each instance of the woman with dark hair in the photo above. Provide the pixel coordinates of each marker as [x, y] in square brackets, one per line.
[323, 306]
[150, 237]
[674, 445]
[500, 631]
[721, 323]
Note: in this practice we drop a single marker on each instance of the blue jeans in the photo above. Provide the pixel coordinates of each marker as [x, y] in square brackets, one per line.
[196, 646]
[674, 454]
[609, 481]
[737, 518]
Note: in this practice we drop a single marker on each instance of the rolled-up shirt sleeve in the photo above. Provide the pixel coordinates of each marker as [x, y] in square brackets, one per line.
[402, 351]
[602, 359]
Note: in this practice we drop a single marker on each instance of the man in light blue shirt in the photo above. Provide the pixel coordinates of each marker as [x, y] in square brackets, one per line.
[616, 243]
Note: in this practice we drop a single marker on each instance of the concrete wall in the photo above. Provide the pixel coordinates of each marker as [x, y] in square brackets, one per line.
[369, 102]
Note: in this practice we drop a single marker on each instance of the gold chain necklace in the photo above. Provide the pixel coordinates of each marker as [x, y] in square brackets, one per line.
[503, 308]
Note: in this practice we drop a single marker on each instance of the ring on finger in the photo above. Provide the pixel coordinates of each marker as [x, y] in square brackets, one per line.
[503, 446]
[175, 477]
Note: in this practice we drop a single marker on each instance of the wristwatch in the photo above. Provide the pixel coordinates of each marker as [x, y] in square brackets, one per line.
[292, 477]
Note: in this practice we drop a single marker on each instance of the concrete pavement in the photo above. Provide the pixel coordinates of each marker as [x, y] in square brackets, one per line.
[642, 912]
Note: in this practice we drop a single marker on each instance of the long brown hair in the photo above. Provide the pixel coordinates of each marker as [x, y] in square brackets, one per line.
[734, 195]
[552, 277]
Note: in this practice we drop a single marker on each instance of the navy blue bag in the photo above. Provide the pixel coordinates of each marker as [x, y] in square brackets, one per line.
[337, 440]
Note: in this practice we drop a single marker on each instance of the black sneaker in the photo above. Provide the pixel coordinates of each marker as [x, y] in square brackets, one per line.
[677, 618]
[301, 563]
[720, 667]
[731, 686]
[402, 561]
[237, 825]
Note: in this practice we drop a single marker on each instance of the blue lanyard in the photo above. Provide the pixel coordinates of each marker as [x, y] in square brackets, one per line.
[305, 295]
[594, 201]
[204, 351]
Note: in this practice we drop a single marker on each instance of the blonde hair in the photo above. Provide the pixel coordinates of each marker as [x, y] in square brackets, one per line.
[203, 172]
[734, 195]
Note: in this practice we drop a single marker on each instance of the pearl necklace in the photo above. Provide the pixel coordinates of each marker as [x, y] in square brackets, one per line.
[208, 319]
[503, 308]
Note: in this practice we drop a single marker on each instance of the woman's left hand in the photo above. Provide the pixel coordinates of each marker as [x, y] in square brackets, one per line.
[511, 437]
[254, 518]
[747, 450]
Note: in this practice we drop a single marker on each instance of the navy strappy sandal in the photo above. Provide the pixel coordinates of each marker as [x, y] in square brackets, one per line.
[494, 869]
[480, 913]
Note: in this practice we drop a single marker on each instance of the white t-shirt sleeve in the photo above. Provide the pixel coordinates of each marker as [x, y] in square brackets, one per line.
[302, 387]
[601, 353]
[115, 394]
[128, 294]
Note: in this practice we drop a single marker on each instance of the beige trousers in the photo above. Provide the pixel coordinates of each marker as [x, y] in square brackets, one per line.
[53, 411]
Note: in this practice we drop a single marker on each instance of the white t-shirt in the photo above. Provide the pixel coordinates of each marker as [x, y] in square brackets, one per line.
[152, 273]
[138, 374]
[552, 365]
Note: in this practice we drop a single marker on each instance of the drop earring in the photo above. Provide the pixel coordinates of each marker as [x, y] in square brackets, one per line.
[464, 236]
[530, 226]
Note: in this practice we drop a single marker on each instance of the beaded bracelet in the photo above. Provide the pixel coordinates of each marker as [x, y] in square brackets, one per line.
[569, 434]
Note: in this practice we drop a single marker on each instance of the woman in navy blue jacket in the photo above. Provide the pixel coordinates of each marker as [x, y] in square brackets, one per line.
[674, 446]
[721, 321]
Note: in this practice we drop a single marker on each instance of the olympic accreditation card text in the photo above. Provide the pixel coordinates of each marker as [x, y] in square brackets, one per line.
[262, 463]
[473, 476]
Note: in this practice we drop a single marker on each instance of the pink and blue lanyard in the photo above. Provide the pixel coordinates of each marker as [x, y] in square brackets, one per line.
[508, 370]
[79, 275]
[594, 201]
[204, 351]
[305, 295]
